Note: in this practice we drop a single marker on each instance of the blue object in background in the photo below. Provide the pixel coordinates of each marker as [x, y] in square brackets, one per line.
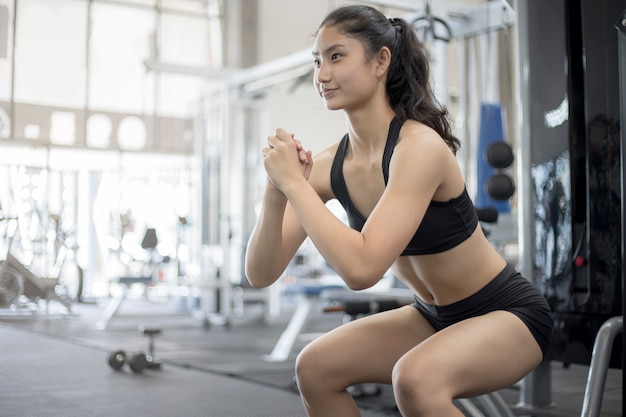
[491, 130]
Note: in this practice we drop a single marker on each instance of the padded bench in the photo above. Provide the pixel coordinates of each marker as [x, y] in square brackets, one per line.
[115, 303]
[354, 304]
[307, 297]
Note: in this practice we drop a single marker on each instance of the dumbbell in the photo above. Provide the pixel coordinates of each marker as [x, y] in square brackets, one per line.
[137, 361]
[152, 363]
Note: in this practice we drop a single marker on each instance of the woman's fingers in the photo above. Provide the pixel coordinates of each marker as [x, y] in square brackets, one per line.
[279, 145]
[308, 164]
[301, 151]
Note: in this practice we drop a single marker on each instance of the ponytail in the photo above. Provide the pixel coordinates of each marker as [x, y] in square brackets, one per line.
[408, 78]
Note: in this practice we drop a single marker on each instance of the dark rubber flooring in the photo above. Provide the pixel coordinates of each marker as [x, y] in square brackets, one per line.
[55, 365]
[43, 376]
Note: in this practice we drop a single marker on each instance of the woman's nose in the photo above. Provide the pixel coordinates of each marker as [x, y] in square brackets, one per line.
[321, 75]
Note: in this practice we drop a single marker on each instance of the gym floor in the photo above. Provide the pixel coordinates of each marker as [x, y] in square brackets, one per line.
[55, 364]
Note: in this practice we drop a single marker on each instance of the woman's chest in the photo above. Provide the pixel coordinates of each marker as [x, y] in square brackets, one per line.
[365, 184]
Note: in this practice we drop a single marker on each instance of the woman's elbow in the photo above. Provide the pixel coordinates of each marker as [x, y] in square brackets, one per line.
[358, 286]
[255, 280]
[360, 281]
[256, 284]
[259, 277]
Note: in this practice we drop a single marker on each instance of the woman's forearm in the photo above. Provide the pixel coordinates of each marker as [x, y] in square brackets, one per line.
[342, 247]
[264, 261]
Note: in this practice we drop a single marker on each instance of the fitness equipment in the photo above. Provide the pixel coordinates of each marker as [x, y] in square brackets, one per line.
[66, 268]
[39, 260]
[495, 185]
[362, 305]
[11, 287]
[307, 297]
[11, 284]
[139, 361]
[592, 401]
[430, 26]
[500, 185]
[148, 277]
[17, 280]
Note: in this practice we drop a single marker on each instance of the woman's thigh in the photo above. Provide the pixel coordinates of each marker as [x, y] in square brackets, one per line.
[366, 349]
[475, 356]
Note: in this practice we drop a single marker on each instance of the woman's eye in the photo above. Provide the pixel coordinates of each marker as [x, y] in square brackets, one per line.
[334, 56]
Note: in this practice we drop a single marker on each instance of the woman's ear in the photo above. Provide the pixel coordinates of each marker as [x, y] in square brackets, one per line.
[383, 61]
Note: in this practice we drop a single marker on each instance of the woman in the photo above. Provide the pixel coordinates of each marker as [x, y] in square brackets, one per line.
[476, 325]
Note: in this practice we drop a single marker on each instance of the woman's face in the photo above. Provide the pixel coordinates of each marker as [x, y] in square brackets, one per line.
[344, 76]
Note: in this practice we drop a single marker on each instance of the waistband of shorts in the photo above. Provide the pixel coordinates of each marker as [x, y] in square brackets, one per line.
[492, 287]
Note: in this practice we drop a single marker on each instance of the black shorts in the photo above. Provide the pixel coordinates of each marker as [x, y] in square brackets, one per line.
[508, 291]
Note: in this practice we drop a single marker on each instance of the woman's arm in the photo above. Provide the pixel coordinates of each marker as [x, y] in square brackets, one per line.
[277, 234]
[275, 238]
[417, 169]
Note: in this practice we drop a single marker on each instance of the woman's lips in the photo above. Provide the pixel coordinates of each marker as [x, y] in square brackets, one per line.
[328, 92]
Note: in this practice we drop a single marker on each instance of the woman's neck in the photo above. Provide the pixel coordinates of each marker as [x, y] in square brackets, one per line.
[368, 129]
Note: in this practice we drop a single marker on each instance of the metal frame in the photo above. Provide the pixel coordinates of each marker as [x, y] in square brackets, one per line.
[620, 25]
[596, 380]
[464, 22]
[535, 388]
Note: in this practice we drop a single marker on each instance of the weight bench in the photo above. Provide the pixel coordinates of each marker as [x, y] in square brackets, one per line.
[308, 296]
[114, 305]
[149, 244]
[356, 304]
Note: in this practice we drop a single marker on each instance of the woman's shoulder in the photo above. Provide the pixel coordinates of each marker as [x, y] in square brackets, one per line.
[421, 155]
[326, 154]
[418, 134]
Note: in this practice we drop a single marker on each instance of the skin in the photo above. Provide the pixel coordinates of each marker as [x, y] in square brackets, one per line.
[427, 369]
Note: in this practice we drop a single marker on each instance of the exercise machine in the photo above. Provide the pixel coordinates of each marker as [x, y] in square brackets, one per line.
[11, 285]
[17, 281]
[148, 276]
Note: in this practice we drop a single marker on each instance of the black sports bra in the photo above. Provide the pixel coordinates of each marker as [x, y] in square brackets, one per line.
[445, 224]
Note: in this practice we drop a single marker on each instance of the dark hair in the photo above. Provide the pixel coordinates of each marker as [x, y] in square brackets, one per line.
[408, 79]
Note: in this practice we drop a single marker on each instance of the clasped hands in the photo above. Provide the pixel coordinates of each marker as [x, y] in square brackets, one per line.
[286, 160]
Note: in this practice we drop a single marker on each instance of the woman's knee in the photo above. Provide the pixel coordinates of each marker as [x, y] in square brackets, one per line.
[322, 366]
[311, 366]
[417, 385]
[305, 362]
